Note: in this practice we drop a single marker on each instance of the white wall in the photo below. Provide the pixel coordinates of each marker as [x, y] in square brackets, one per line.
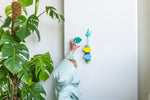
[144, 48]
[51, 38]
[55, 33]
[113, 71]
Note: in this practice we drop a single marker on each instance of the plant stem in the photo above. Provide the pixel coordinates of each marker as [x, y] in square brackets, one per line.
[36, 7]
[42, 13]
[15, 80]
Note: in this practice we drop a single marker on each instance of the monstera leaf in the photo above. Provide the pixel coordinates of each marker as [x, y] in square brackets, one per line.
[43, 64]
[25, 75]
[26, 3]
[26, 26]
[33, 91]
[6, 37]
[20, 21]
[52, 12]
[16, 55]
[3, 95]
[8, 10]
[6, 23]
[32, 24]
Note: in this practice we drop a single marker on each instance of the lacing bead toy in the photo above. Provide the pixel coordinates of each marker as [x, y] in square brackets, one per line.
[87, 48]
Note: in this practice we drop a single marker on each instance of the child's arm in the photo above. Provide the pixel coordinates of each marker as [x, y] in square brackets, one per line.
[72, 46]
[72, 50]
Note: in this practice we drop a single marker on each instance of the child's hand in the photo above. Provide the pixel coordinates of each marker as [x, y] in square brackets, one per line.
[72, 46]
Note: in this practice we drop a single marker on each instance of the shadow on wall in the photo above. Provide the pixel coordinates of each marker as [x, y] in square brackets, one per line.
[144, 48]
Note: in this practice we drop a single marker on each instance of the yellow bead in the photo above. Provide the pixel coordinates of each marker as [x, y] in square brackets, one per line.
[87, 49]
[88, 62]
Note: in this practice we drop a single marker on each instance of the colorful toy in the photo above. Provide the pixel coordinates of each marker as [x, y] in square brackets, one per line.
[77, 39]
[87, 48]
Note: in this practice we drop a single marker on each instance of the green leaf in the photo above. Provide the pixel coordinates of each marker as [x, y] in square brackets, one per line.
[57, 16]
[26, 3]
[2, 74]
[37, 88]
[38, 34]
[15, 55]
[25, 91]
[3, 81]
[21, 18]
[50, 8]
[8, 10]
[43, 76]
[26, 26]
[13, 64]
[33, 91]
[1, 31]
[42, 63]
[38, 97]
[32, 24]
[62, 17]
[20, 21]
[3, 95]
[52, 12]
[26, 76]
[36, 1]
[33, 17]
[23, 50]
[25, 10]
[6, 38]
[31, 27]
[33, 20]
[22, 33]
[7, 22]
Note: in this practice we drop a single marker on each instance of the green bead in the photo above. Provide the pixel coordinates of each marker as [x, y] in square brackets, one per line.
[87, 60]
[77, 39]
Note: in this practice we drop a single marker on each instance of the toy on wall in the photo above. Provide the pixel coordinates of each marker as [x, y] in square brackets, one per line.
[87, 48]
[77, 40]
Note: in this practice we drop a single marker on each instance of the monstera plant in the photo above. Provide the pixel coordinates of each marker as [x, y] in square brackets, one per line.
[20, 75]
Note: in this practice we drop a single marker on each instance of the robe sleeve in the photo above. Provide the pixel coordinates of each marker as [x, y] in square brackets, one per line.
[70, 55]
[65, 70]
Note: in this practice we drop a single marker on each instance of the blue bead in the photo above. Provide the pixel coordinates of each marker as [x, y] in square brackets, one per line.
[88, 33]
[87, 56]
[87, 45]
[87, 53]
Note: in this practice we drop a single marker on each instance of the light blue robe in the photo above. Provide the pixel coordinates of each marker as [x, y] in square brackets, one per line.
[67, 80]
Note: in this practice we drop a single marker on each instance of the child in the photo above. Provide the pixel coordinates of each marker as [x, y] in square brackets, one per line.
[67, 79]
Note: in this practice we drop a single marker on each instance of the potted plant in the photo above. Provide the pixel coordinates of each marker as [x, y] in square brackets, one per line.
[20, 76]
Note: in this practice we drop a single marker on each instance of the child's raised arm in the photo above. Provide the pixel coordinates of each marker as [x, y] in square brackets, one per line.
[72, 46]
